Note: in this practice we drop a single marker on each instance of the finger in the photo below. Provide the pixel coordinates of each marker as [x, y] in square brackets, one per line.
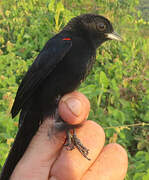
[74, 108]
[111, 164]
[71, 164]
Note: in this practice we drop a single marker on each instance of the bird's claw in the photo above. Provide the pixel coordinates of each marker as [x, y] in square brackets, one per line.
[72, 141]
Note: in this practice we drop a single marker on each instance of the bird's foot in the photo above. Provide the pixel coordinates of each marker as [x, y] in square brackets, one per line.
[72, 141]
[69, 143]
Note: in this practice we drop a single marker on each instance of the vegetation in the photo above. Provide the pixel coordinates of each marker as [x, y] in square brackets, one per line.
[118, 87]
[144, 8]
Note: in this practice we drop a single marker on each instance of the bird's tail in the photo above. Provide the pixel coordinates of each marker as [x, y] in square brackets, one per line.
[26, 131]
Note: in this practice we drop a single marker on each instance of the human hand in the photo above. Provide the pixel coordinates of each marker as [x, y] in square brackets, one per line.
[47, 158]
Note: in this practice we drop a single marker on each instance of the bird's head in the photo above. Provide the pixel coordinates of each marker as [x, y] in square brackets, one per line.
[95, 28]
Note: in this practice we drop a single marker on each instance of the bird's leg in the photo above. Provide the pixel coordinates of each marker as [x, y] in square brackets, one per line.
[83, 150]
[72, 141]
[69, 142]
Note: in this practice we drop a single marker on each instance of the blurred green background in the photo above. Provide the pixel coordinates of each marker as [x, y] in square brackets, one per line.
[118, 86]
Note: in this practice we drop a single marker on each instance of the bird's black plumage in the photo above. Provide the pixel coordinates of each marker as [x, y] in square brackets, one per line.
[63, 63]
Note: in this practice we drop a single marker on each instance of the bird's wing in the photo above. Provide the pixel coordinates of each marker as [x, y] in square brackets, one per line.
[53, 52]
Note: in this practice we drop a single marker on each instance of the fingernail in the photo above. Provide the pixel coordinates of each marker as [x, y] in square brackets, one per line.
[74, 105]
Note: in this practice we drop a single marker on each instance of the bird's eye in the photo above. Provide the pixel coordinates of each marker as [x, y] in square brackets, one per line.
[101, 26]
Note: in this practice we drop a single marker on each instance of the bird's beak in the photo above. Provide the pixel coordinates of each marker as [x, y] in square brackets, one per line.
[114, 36]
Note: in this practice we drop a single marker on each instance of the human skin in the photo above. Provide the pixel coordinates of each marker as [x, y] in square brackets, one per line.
[47, 158]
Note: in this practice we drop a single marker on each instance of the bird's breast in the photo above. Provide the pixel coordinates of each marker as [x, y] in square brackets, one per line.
[78, 62]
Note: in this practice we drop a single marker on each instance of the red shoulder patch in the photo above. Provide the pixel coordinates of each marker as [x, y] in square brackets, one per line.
[67, 39]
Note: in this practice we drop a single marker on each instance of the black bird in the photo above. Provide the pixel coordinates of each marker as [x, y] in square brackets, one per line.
[60, 67]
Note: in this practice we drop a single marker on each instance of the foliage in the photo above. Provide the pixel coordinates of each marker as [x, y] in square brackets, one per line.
[119, 95]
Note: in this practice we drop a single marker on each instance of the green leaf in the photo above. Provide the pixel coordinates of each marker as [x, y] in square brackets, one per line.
[146, 117]
[51, 6]
[60, 6]
[104, 80]
[146, 176]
